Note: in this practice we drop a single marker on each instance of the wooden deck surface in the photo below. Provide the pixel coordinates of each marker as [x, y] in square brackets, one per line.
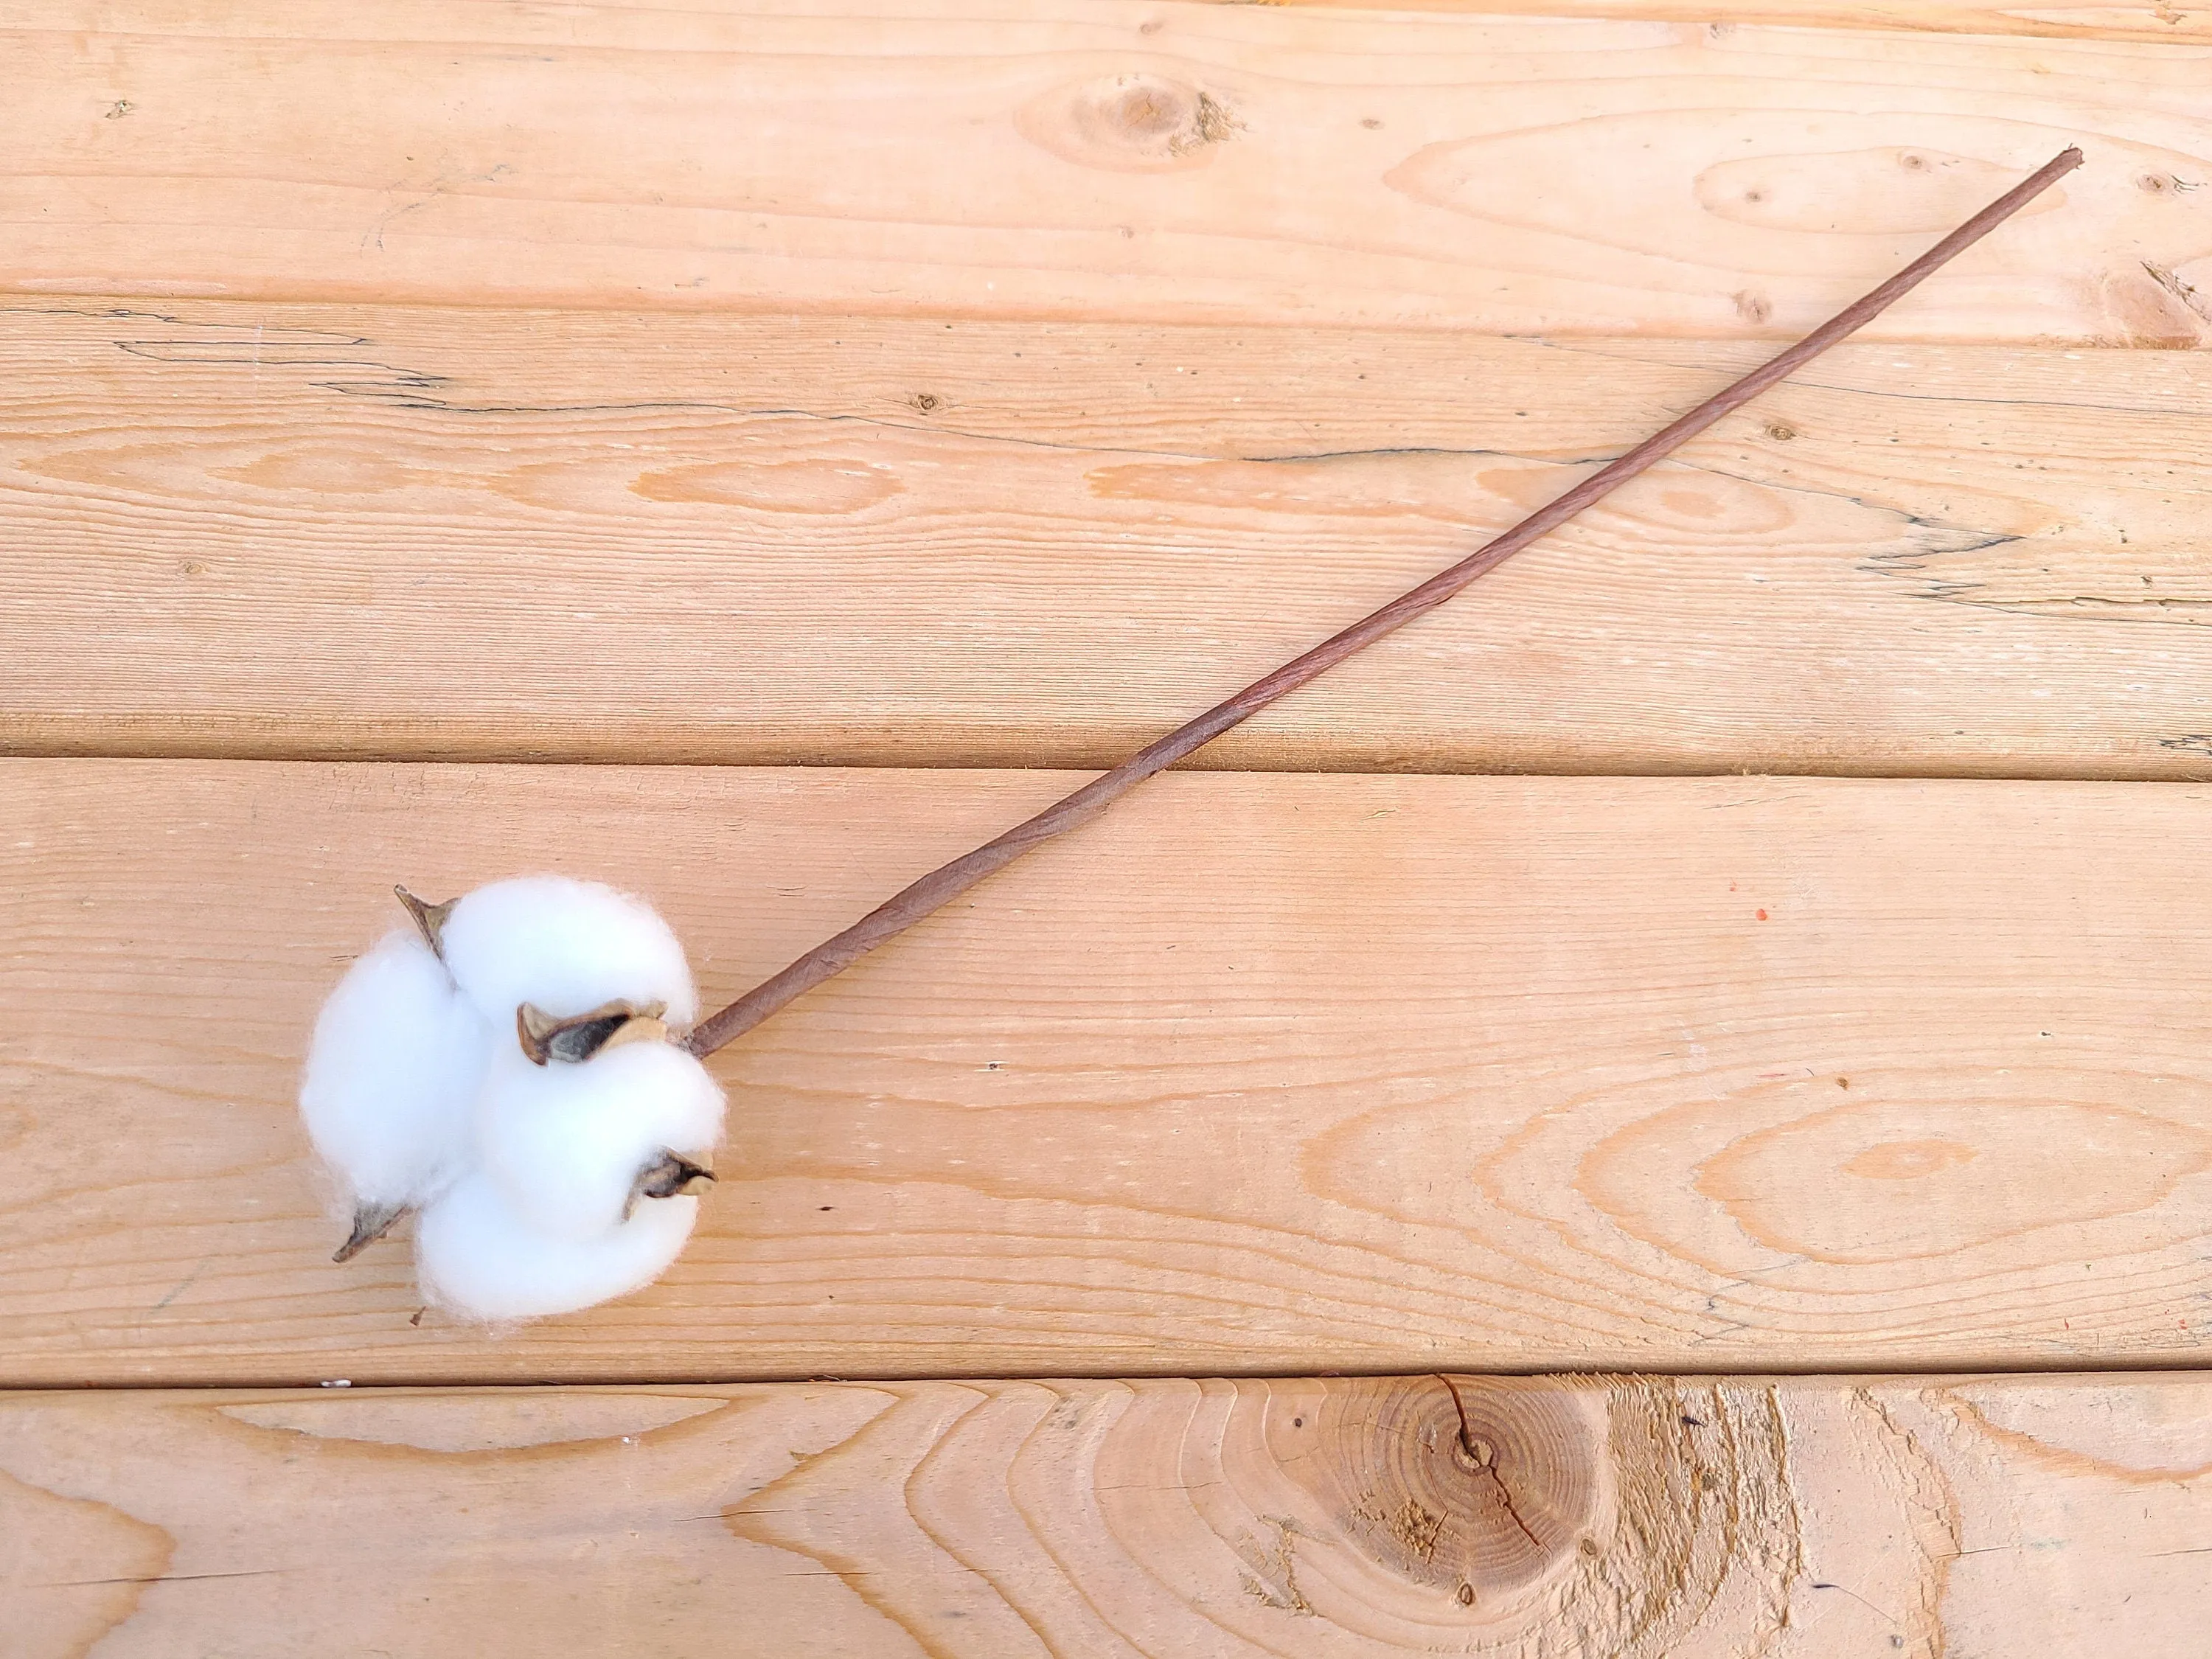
[750, 455]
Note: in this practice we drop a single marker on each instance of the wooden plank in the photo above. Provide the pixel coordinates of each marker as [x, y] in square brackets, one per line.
[1081, 160]
[2089, 20]
[329, 531]
[1265, 1073]
[1820, 1518]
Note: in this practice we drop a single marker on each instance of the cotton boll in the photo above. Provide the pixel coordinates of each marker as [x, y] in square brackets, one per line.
[566, 1144]
[475, 1254]
[564, 946]
[392, 1074]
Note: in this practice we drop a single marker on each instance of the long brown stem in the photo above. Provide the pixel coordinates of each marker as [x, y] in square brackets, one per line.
[910, 905]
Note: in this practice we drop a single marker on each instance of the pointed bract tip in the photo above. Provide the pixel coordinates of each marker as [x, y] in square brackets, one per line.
[370, 1223]
[430, 918]
[668, 1176]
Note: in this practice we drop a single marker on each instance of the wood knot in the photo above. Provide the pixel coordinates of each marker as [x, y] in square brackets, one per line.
[1477, 1487]
[1134, 123]
[1752, 307]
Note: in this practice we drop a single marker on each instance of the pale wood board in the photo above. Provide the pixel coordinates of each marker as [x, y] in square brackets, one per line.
[264, 529]
[2155, 21]
[1095, 159]
[2004, 1518]
[1262, 1073]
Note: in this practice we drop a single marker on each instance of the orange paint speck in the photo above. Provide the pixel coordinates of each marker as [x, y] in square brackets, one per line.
[1762, 915]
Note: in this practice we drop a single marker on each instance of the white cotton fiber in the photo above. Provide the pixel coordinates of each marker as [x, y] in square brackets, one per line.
[394, 1075]
[476, 1256]
[529, 1177]
[566, 947]
[566, 1143]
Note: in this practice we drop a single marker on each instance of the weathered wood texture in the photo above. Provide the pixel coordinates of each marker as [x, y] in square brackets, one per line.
[1263, 1073]
[1631, 1518]
[269, 530]
[1077, 158]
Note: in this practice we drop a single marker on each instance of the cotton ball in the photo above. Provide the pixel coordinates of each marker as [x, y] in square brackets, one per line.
[509, 1073]
[565, 947]
[392, 1074]
[569, 1144]
[477, 1255]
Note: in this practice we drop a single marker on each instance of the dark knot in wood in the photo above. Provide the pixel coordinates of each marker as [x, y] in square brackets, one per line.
[1482, 1486]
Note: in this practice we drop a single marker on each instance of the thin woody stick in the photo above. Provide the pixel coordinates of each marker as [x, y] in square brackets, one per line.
[938, 888]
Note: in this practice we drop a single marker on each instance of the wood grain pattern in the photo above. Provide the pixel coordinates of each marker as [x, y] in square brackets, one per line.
[1262, 1074]
[1130, 158]
[1550, 1519]
[2091, 20]
[342, 531]
[944, 391]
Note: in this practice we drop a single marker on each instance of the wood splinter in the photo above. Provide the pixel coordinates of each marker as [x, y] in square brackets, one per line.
[908, 906]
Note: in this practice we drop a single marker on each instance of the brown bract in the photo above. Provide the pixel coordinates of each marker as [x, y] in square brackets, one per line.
[576, 1038]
